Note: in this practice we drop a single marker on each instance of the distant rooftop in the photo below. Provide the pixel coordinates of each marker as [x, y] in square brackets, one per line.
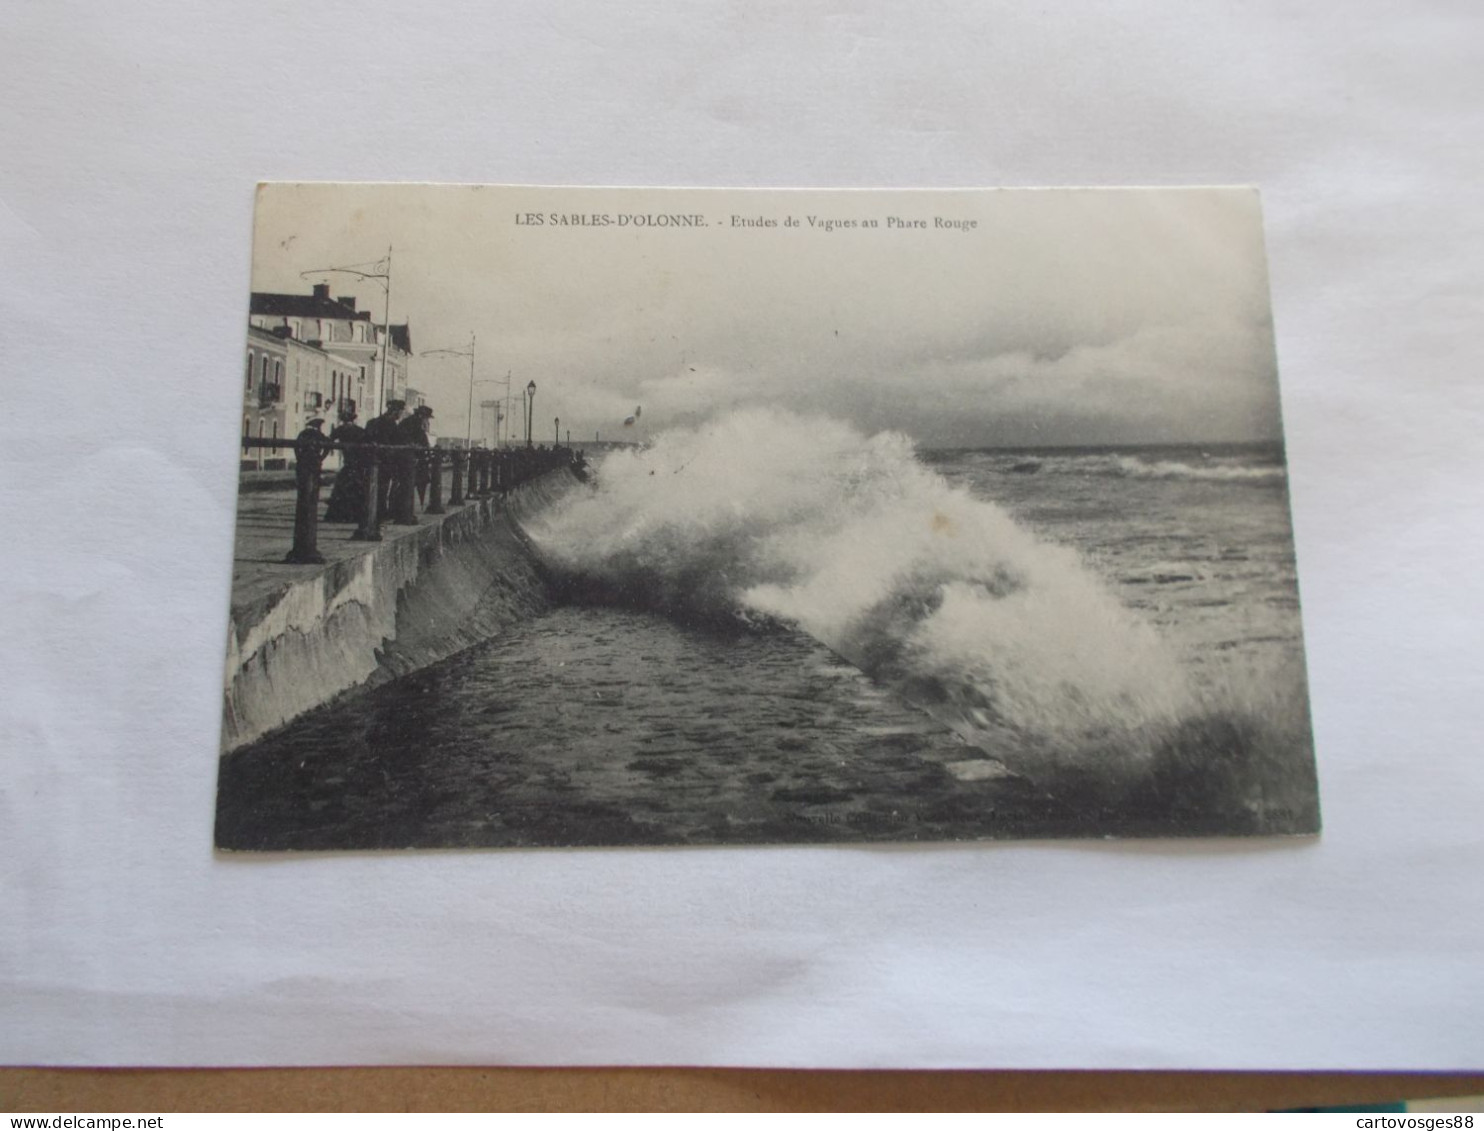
[319, 304]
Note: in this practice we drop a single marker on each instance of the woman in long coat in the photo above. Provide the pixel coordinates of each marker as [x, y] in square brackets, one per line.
[348, 493]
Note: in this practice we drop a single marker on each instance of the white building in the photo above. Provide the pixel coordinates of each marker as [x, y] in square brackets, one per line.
[336, 326]
[287, 383]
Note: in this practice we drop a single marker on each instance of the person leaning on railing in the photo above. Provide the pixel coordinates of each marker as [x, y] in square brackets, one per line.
[383, 430]
[348, 494]
[414, 432]
[309, 449]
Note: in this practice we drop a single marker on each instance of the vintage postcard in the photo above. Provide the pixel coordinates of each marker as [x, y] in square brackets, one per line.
[580, 517]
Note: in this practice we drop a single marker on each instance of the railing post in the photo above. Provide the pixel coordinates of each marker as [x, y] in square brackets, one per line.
[456, 496]
[435, 482]
[370, 528]
[307, 457]
[404, 494]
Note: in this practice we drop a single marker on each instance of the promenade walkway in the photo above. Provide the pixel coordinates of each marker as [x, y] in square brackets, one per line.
[265, 531]
[269, 521]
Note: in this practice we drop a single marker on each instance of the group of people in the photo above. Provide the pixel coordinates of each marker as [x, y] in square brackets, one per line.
[394, 427]
[397, 428]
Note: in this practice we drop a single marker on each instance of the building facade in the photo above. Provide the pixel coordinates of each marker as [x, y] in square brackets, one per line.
[288, 383]
[335, 326]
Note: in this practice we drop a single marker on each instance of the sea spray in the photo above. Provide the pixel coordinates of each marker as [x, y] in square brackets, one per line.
[763, 513]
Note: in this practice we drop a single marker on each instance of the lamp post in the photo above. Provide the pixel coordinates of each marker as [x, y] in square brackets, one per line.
[530, 408]
[381, 274]
[469, 353]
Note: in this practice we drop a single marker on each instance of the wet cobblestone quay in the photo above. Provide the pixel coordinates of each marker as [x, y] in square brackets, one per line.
[600, 726]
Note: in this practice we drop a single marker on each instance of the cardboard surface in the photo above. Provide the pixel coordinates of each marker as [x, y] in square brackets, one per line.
[678, 1089]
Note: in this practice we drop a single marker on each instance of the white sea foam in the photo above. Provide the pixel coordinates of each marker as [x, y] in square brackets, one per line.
[1175, 469]
[854, 541]
[1220, 469]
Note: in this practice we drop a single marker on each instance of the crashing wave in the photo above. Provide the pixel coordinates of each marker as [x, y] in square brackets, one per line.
[850, 538]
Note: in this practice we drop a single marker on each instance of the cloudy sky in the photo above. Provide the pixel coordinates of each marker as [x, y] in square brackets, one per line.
[1061, 317]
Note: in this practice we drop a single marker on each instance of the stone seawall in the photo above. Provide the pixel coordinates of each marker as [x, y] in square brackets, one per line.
[403, 604]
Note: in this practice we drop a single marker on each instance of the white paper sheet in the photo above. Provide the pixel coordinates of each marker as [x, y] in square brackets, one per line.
[130, 140]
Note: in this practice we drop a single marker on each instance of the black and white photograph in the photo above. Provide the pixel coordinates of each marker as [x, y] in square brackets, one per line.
[598, 517]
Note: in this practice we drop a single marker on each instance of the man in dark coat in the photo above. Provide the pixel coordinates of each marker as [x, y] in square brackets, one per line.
[409, 434]
[348, 494]
[414, 431]
[383, 430]
[309, 452]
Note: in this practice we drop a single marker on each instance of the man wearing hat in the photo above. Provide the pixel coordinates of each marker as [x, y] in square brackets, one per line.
[309, 452]
[414, 432]
[383, 430]
[308, 448]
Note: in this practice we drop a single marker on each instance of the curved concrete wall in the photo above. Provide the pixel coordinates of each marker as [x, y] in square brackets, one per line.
[407, 603]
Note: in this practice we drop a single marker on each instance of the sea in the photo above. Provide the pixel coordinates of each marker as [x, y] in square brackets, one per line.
[775, 628]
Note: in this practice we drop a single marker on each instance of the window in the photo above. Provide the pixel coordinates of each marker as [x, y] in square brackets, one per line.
[249, 373]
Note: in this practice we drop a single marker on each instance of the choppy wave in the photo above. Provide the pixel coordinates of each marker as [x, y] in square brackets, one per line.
[764, 517]
[766, 514]
[1223, 469]
[1217, 470]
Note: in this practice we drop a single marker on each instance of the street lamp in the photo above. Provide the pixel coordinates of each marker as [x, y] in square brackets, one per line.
[530, 408]
[469, 353]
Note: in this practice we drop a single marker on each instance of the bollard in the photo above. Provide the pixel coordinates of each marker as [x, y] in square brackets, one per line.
[370, 528]
[307, 458]
[456, 496]
[404, 494]
[435, 482]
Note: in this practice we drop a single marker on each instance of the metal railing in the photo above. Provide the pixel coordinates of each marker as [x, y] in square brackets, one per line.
[389, 476]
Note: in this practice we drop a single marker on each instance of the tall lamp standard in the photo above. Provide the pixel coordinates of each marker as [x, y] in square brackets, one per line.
[469, 353]
[381, 274]
[530, 408]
